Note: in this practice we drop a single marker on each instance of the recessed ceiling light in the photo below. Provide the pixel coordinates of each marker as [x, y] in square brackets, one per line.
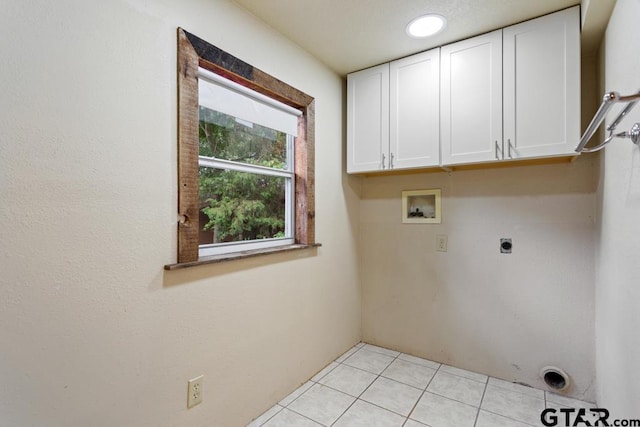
[425, 26]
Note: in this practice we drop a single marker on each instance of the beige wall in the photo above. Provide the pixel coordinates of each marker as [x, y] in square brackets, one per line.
[472, 307]
[618, 272]
[93, 331]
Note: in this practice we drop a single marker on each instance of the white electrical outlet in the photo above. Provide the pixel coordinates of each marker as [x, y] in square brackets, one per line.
[194, 395]
[441, 243]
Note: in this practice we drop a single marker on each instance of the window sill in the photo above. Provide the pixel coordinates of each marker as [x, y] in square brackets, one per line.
[239, 255]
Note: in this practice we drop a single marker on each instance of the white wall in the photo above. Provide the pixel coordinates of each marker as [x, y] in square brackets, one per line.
[503, 315]
[93, 331]
[618, 272]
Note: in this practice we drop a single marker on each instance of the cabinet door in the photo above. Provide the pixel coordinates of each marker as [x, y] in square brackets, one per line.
[471, 91]
[368, 119]
[542, 86]
[415, 111]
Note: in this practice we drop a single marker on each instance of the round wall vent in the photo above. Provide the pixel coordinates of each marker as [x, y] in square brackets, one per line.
[555, 378]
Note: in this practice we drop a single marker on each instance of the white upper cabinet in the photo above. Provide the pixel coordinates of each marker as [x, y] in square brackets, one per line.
[393, 113]
[506, 95]
[415, 111]
[368, 119]
[513, 93]
[542, 86]
[471, 100]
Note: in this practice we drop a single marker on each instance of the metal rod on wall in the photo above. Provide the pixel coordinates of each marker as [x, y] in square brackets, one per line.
[607, 102]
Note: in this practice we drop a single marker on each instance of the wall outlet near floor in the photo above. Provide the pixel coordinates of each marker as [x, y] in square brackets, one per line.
[506, 246]
[194, 395]
[441, 243]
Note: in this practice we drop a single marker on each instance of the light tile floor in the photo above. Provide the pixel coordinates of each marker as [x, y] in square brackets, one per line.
[371, 386]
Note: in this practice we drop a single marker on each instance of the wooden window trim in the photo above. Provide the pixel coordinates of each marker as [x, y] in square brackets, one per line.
[194, 52]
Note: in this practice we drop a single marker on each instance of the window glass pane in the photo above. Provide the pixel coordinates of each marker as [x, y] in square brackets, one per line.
[229, 138]
[238, 206]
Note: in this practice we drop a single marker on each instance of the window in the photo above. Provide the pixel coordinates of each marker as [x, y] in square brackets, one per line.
[246, 168]
[245, 159]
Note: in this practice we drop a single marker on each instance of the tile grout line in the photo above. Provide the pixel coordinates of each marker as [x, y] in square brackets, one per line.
[509, 418]
[367, 387]
[486, 384]
[422, 394]
[356, 399]
[504, 390]
[451, 398]
[269, 419]
[512, 391]
[545, 400]
[391, 379]
[314, 383]
[297, 397]
[544, 393]
[400, 382]
[423, 391]
[304, 416]
[323, 385]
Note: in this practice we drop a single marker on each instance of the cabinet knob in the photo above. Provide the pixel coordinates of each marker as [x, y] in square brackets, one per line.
[497, 148]
[391, 161]
[383, 159]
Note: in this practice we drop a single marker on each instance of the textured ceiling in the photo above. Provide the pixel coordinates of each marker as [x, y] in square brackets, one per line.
[348, 35]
